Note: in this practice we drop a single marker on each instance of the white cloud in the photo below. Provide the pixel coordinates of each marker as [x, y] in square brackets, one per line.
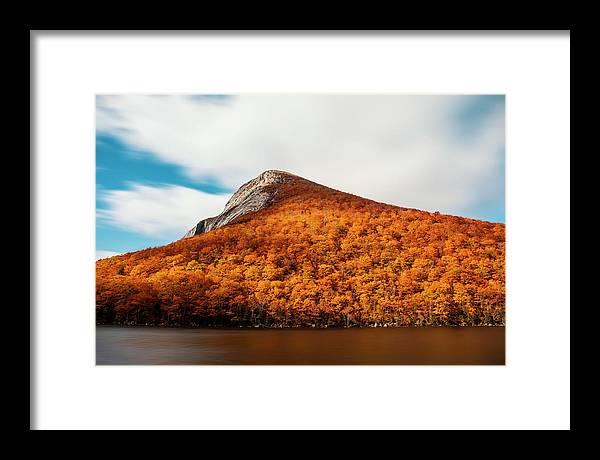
[166, 211]
[403, 150]
[105, 254]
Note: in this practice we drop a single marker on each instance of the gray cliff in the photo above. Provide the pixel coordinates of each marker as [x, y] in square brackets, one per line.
[252, 196]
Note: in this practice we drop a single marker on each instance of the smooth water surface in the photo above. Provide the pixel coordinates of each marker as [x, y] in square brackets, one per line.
[412, 345]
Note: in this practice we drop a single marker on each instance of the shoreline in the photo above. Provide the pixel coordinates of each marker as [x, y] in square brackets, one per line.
[236, 328]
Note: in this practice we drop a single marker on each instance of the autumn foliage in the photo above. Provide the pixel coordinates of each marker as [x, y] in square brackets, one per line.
[316, 257]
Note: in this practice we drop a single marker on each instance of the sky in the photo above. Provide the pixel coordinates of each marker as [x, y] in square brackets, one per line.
[165, 162]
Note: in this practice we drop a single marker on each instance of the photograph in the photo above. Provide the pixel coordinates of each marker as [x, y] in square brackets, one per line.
[300, 229]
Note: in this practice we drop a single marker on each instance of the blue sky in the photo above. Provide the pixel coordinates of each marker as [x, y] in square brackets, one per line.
[120, 166]
[165, 162]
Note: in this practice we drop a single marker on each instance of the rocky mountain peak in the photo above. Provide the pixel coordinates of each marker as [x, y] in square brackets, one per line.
[254, 195]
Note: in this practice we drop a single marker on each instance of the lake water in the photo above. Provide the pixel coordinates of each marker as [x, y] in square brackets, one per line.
[413, 345]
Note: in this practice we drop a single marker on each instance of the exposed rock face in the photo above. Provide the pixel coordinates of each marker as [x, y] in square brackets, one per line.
[252, 196]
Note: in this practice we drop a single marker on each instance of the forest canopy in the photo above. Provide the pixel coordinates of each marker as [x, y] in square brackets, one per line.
[315, 258]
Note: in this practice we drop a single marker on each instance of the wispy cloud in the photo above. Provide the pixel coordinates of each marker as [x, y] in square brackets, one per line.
[416, 151]
[105, 254]
[163, 211]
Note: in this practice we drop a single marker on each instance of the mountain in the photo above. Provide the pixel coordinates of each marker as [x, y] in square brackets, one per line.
[290, 252]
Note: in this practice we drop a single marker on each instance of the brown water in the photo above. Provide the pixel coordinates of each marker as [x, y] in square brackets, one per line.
[414, 345]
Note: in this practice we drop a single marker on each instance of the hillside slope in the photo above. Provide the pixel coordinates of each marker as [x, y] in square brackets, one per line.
[290, 252]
